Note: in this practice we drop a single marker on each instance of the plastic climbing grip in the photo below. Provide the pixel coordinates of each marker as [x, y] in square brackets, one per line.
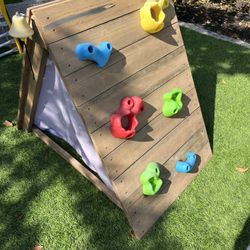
[188, 165]
[163, 3]
[149, 179]
[123, 121]
[172, 102]
[152, 17]
[100, 54]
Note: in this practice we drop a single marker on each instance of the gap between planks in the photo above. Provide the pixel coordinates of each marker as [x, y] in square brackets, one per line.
[172, 131]
[115, 31]
[103, 139]
[135, 58]
[151, 208]
[59, 11]
[130, 151]
[166, 153]
[96, 112]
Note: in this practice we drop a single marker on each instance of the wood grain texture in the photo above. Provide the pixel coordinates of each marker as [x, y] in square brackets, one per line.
[41, 6]
[171, 148]
[115, 31]
[145, 211]
[83, 170]
[131, 60]
[49, 15]
[103, 139]
[130, 151]
[23, 89]
[97, 112]
[38, 61]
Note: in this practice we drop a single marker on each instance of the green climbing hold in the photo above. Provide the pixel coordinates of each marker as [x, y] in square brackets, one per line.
[172, 102]
[151, 183]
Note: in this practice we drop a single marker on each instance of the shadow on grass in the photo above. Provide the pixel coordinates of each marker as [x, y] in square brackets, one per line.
[33, 171]
[37, 168]
[209, 57]
[10, 70]
[243, 239]
[15, 209]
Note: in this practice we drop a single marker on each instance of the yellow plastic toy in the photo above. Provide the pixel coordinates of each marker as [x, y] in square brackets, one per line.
[152, 17]
[163, 3]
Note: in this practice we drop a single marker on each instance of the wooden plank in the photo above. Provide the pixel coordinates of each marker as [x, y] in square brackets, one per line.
[77, 165]
[59, 21]
[97, 112]
[38, 62]
[130, 151]
[115, 31]
[38, 36]
[41, 6]
[105, 142]
[133, 59]
[23, 90]
[145, 212]
[171, 148]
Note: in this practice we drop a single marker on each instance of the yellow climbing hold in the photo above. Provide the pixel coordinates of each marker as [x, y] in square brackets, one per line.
[163, 3]
[152, 17]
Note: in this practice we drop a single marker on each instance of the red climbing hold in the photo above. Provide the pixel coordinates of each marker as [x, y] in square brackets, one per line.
[123, 121]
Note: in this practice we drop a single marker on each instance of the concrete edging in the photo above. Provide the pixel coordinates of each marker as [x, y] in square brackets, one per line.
[203, 31]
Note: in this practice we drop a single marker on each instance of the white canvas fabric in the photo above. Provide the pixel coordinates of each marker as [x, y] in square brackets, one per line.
[56, 114]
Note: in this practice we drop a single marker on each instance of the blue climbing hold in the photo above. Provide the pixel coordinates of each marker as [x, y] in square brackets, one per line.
[188, 165]
[99, 54]
[191, 159]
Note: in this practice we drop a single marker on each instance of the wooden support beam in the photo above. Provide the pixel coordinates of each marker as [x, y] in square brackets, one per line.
[78, 166]
[31, 82]
[23, 91]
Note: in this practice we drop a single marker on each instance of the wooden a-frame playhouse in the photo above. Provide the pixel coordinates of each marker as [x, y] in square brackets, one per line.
[141, 64]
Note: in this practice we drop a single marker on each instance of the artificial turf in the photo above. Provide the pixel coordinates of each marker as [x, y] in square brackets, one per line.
[43, 201]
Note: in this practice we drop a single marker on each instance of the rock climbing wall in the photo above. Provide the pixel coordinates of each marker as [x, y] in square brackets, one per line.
[141, 65]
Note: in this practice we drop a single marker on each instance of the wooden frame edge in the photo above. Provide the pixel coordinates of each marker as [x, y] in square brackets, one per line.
[23, 89]
[77, 165]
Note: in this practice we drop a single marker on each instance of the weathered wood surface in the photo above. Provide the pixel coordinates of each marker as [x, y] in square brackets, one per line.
[132, 150]
[143, 65]
[23, 89]
[145, 212]
[67, 18]
[153, 101]
[166, 153]
[38, 61]
[143, 83]
[116, 31]
[31, 83]
[132, 59]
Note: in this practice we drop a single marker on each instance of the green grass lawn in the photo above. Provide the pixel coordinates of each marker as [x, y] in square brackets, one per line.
[43, 200]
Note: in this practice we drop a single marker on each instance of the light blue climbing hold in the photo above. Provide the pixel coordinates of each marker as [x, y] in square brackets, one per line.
[188, 165]
[99, 54]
